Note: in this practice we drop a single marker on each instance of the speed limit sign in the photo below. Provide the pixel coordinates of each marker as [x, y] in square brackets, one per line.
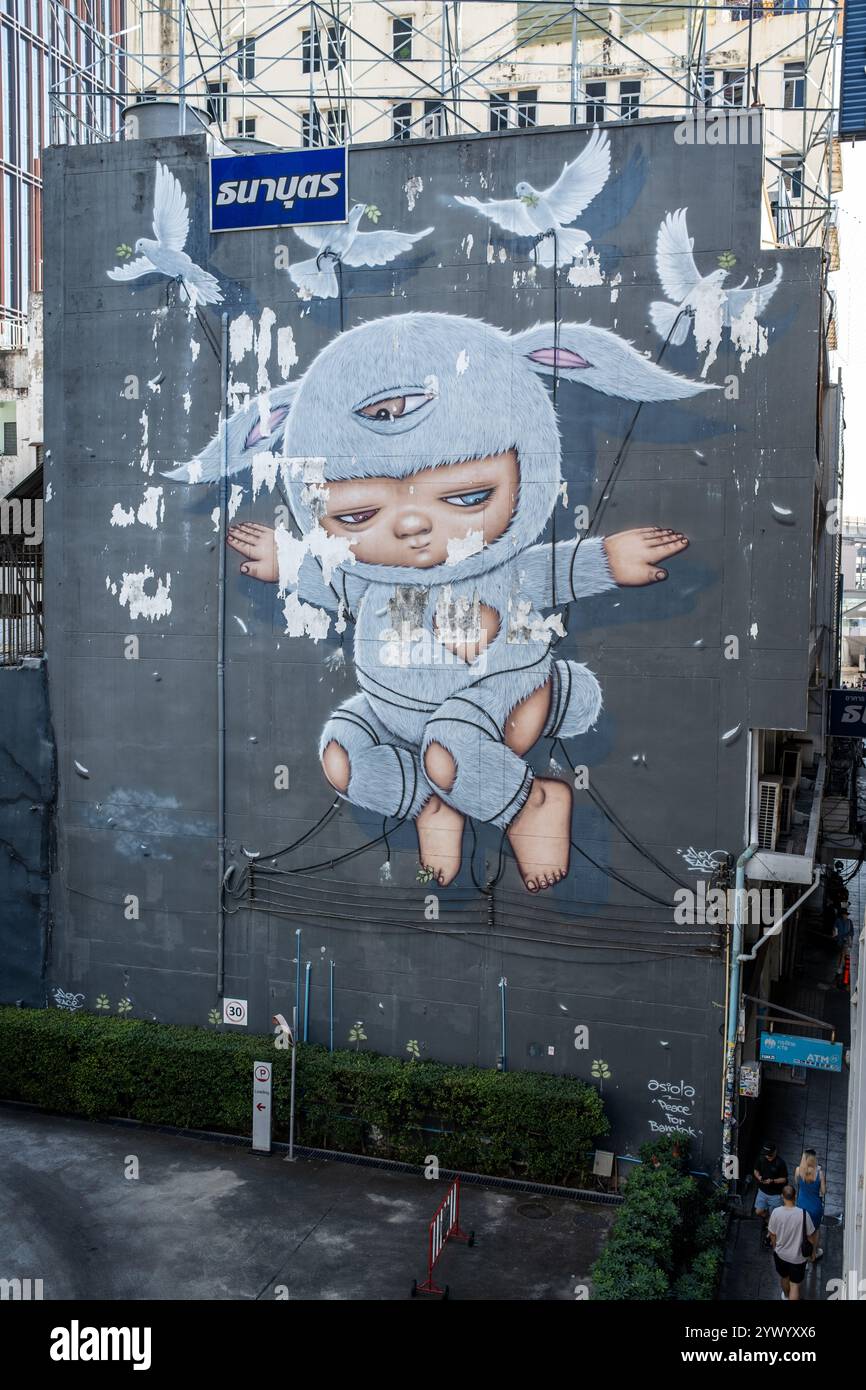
[235, 1011]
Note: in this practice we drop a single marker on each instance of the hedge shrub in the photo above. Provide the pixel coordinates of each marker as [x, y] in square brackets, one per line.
[668, 1238]
[513, 1123]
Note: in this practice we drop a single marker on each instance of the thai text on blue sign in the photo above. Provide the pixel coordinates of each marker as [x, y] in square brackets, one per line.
[848, 713]
[792, 1051]
[283, 189]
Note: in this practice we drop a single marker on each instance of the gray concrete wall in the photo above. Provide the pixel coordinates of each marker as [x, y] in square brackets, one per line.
[27, 790]
[133, 388]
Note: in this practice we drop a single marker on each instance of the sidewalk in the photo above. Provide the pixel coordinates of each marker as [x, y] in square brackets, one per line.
[798, 1117]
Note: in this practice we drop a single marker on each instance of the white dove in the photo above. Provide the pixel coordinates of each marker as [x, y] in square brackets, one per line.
[545, 214]
[166, 254]
[701, 300]
[345, 244]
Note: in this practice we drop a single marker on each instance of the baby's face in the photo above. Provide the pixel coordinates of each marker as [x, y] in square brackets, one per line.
[410, 521]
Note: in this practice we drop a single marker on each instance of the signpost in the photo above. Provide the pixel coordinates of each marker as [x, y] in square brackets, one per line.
[288, 188]
[235, 1011]
[793, 1051]
[262, 1085]
[848, 713]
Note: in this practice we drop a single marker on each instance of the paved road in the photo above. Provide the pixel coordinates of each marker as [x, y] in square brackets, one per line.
[211, 1221]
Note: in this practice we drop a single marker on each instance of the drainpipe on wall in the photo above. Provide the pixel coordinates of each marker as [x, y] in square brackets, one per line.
[221, 656]
[734, 1006]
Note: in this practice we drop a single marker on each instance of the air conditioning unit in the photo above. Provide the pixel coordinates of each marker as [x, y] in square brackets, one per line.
[792, 765]
[786, 806]
[769, 806]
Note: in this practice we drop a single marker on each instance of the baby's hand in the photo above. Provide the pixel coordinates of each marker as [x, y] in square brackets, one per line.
[259, 546]
[634, 557]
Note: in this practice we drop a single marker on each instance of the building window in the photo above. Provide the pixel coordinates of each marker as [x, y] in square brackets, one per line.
[336, 46]
[246, 59]
[401, 120]
[706, 86]
[10, 437]
[792, 176]
[217, 102]
[150, 95]
[401, 39]
[434, 119]
[337, 125]
[247, 126]
[311, 51]
[596, 98]
[794, 89]
[629, 100]
[527, 107]
[499, 110]
[733, 90]
[311, 129]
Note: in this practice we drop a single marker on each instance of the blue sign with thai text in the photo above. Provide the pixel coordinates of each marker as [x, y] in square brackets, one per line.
[281, 189]
[848, 713]
[792, 1051]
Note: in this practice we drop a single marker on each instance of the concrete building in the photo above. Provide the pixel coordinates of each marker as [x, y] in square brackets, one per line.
[367, 71]
[197, 859]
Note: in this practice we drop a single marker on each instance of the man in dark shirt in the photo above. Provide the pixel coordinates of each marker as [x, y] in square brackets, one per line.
[771, 1175]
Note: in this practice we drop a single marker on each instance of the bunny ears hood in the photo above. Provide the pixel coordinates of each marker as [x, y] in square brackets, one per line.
[462, 389]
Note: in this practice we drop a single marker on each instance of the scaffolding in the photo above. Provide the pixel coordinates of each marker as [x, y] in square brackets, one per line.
[323, 71]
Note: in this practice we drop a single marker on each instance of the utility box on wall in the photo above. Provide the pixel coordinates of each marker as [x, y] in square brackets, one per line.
[516, 495]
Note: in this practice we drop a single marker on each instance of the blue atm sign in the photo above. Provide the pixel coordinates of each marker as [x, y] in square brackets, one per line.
[791, 1051]
[284, 189]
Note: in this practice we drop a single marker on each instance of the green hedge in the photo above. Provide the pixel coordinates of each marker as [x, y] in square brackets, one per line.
[515, 1123]
[669, 1235]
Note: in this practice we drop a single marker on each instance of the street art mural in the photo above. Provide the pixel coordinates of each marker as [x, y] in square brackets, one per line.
[474, 489]
[422, 458]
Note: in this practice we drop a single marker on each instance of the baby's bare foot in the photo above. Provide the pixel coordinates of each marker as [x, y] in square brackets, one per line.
[539, 835]
[440, 840]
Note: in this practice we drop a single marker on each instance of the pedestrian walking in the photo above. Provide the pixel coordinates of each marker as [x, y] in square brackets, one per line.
[793, 1237]
[771, 1174]
[811, 1189]
[843, 930]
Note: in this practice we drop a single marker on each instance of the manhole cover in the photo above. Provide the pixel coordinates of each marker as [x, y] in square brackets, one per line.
[535, 1211]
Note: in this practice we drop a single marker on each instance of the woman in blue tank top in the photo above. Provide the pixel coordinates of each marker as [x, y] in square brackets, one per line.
[811, 1190]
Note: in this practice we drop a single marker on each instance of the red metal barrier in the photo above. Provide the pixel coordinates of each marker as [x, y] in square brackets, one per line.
[445, 1226]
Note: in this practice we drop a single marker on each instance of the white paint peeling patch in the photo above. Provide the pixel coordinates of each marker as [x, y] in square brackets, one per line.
[748, 336]
[287, 355]
[237, 496]
[467, 244]
[303, 620]
[238, 393]
[195, 348]
[49, 493]
[312, 470]
[330, 551]
[121, 517]
[753, 631]
[586, 271]
[152, 509]
[503, 254]
[615, 282]
[431, 384]
[523, 277]
[709, 307]
[263, 348]
[215, 518]
[490, 253]
[563, 492]
[264, 403]
[194, 471]
[461, 547]
[241, 624]
[413, 188]
[144, 457]
[155, 385]
[462, 361]
[290, 554]
[265, 465]
[187, 402]
[240, 337]
[141, 604]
